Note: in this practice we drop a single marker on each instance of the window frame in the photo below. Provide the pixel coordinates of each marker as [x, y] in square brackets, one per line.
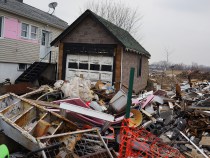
[34, 33]
[29, 31]
[2, 27]
[20, 69]
[43, 38]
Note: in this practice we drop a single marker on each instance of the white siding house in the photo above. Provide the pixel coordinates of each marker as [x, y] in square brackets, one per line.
[25, 36]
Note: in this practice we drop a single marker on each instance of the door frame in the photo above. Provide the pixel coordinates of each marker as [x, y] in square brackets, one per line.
[47, 45]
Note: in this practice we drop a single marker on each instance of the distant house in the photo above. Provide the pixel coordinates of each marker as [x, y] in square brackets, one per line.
[100, 50]
[25, 36]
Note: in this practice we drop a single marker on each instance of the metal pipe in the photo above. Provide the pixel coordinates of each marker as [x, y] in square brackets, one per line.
[91, 135]
[130, 88]
[201, 151]
[68, 133]
[110, 154]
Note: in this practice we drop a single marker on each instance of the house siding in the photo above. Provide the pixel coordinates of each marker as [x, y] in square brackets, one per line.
[89, 31]
[132, 60]
[24, 51]
[6, 69]
[15, 51]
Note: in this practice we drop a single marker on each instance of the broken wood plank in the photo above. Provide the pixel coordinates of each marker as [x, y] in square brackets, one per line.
[198, 108]
[148, 114]
[205, 141]
[41, 89]
[44, 103]
[171, 105]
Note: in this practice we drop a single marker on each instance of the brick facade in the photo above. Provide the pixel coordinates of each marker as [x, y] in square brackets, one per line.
[89, 31]
[132, 60]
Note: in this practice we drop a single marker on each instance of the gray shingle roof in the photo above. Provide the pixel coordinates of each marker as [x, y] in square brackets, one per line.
[121, 35]
[33, 13]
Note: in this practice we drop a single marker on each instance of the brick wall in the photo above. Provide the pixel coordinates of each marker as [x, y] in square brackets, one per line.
[89, 31]
[132, 60]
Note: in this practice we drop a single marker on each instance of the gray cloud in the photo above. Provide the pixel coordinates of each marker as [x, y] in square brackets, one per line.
[179, 25]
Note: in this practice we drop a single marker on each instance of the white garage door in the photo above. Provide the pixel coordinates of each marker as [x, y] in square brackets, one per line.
[93, 67]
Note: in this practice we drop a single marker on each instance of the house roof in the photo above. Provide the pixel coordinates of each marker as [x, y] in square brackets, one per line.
[25, 10]
[121, 35]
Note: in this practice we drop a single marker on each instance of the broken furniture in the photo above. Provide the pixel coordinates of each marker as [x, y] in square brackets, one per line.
[24, 121]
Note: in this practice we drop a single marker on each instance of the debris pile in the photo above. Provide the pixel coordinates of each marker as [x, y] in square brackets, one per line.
[77, 119]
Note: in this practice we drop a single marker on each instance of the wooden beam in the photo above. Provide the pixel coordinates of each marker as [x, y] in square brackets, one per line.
[44, 103]
[118, 57]
[41, 89]
[60, 60]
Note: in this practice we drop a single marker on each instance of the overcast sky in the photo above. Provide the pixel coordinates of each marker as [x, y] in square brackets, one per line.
[182, 27]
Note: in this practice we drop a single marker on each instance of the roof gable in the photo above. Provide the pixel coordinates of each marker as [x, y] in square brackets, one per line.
[25, 10]
[89, 31]
[119, 34]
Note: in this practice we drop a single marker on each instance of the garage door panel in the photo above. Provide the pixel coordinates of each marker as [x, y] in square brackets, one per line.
[93, 67]
[84, 74]
[94, 59]
[83, 58]
[72, 65]
[73, 57]
[84, 66]
[71, 74]
[107, 60]
[106, 77]
[94, 76]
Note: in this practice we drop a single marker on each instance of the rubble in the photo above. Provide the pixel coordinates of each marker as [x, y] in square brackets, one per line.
[176, 121]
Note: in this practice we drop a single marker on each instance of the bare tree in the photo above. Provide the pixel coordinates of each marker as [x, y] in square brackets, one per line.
[194, 66]
[116, 12]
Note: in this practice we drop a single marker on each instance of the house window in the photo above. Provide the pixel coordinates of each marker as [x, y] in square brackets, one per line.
[139, 67]
[1, 26]
[29, 31]
[24, 30]
[95, 67]
[22, 67]
[73, 65]
[106, 68]
[83, 66]
[34, 32]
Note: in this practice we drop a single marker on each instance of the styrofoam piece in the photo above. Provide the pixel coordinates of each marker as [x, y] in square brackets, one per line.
[158, 99]
[145, 95]
[119, 101]
[96, 106]
[150, 109]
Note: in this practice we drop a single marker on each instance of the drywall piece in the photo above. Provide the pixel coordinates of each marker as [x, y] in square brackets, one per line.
[87, 112]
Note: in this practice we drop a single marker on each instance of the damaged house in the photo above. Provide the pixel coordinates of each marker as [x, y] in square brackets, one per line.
[100, 50]
[25, 34]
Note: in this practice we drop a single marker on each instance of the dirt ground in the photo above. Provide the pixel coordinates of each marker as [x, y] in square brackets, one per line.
[168, 79]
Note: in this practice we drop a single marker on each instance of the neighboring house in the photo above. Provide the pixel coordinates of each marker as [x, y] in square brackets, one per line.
[25, 36]
[100, 50]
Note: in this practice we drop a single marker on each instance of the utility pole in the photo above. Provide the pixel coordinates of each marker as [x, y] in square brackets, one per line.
[167, 57]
